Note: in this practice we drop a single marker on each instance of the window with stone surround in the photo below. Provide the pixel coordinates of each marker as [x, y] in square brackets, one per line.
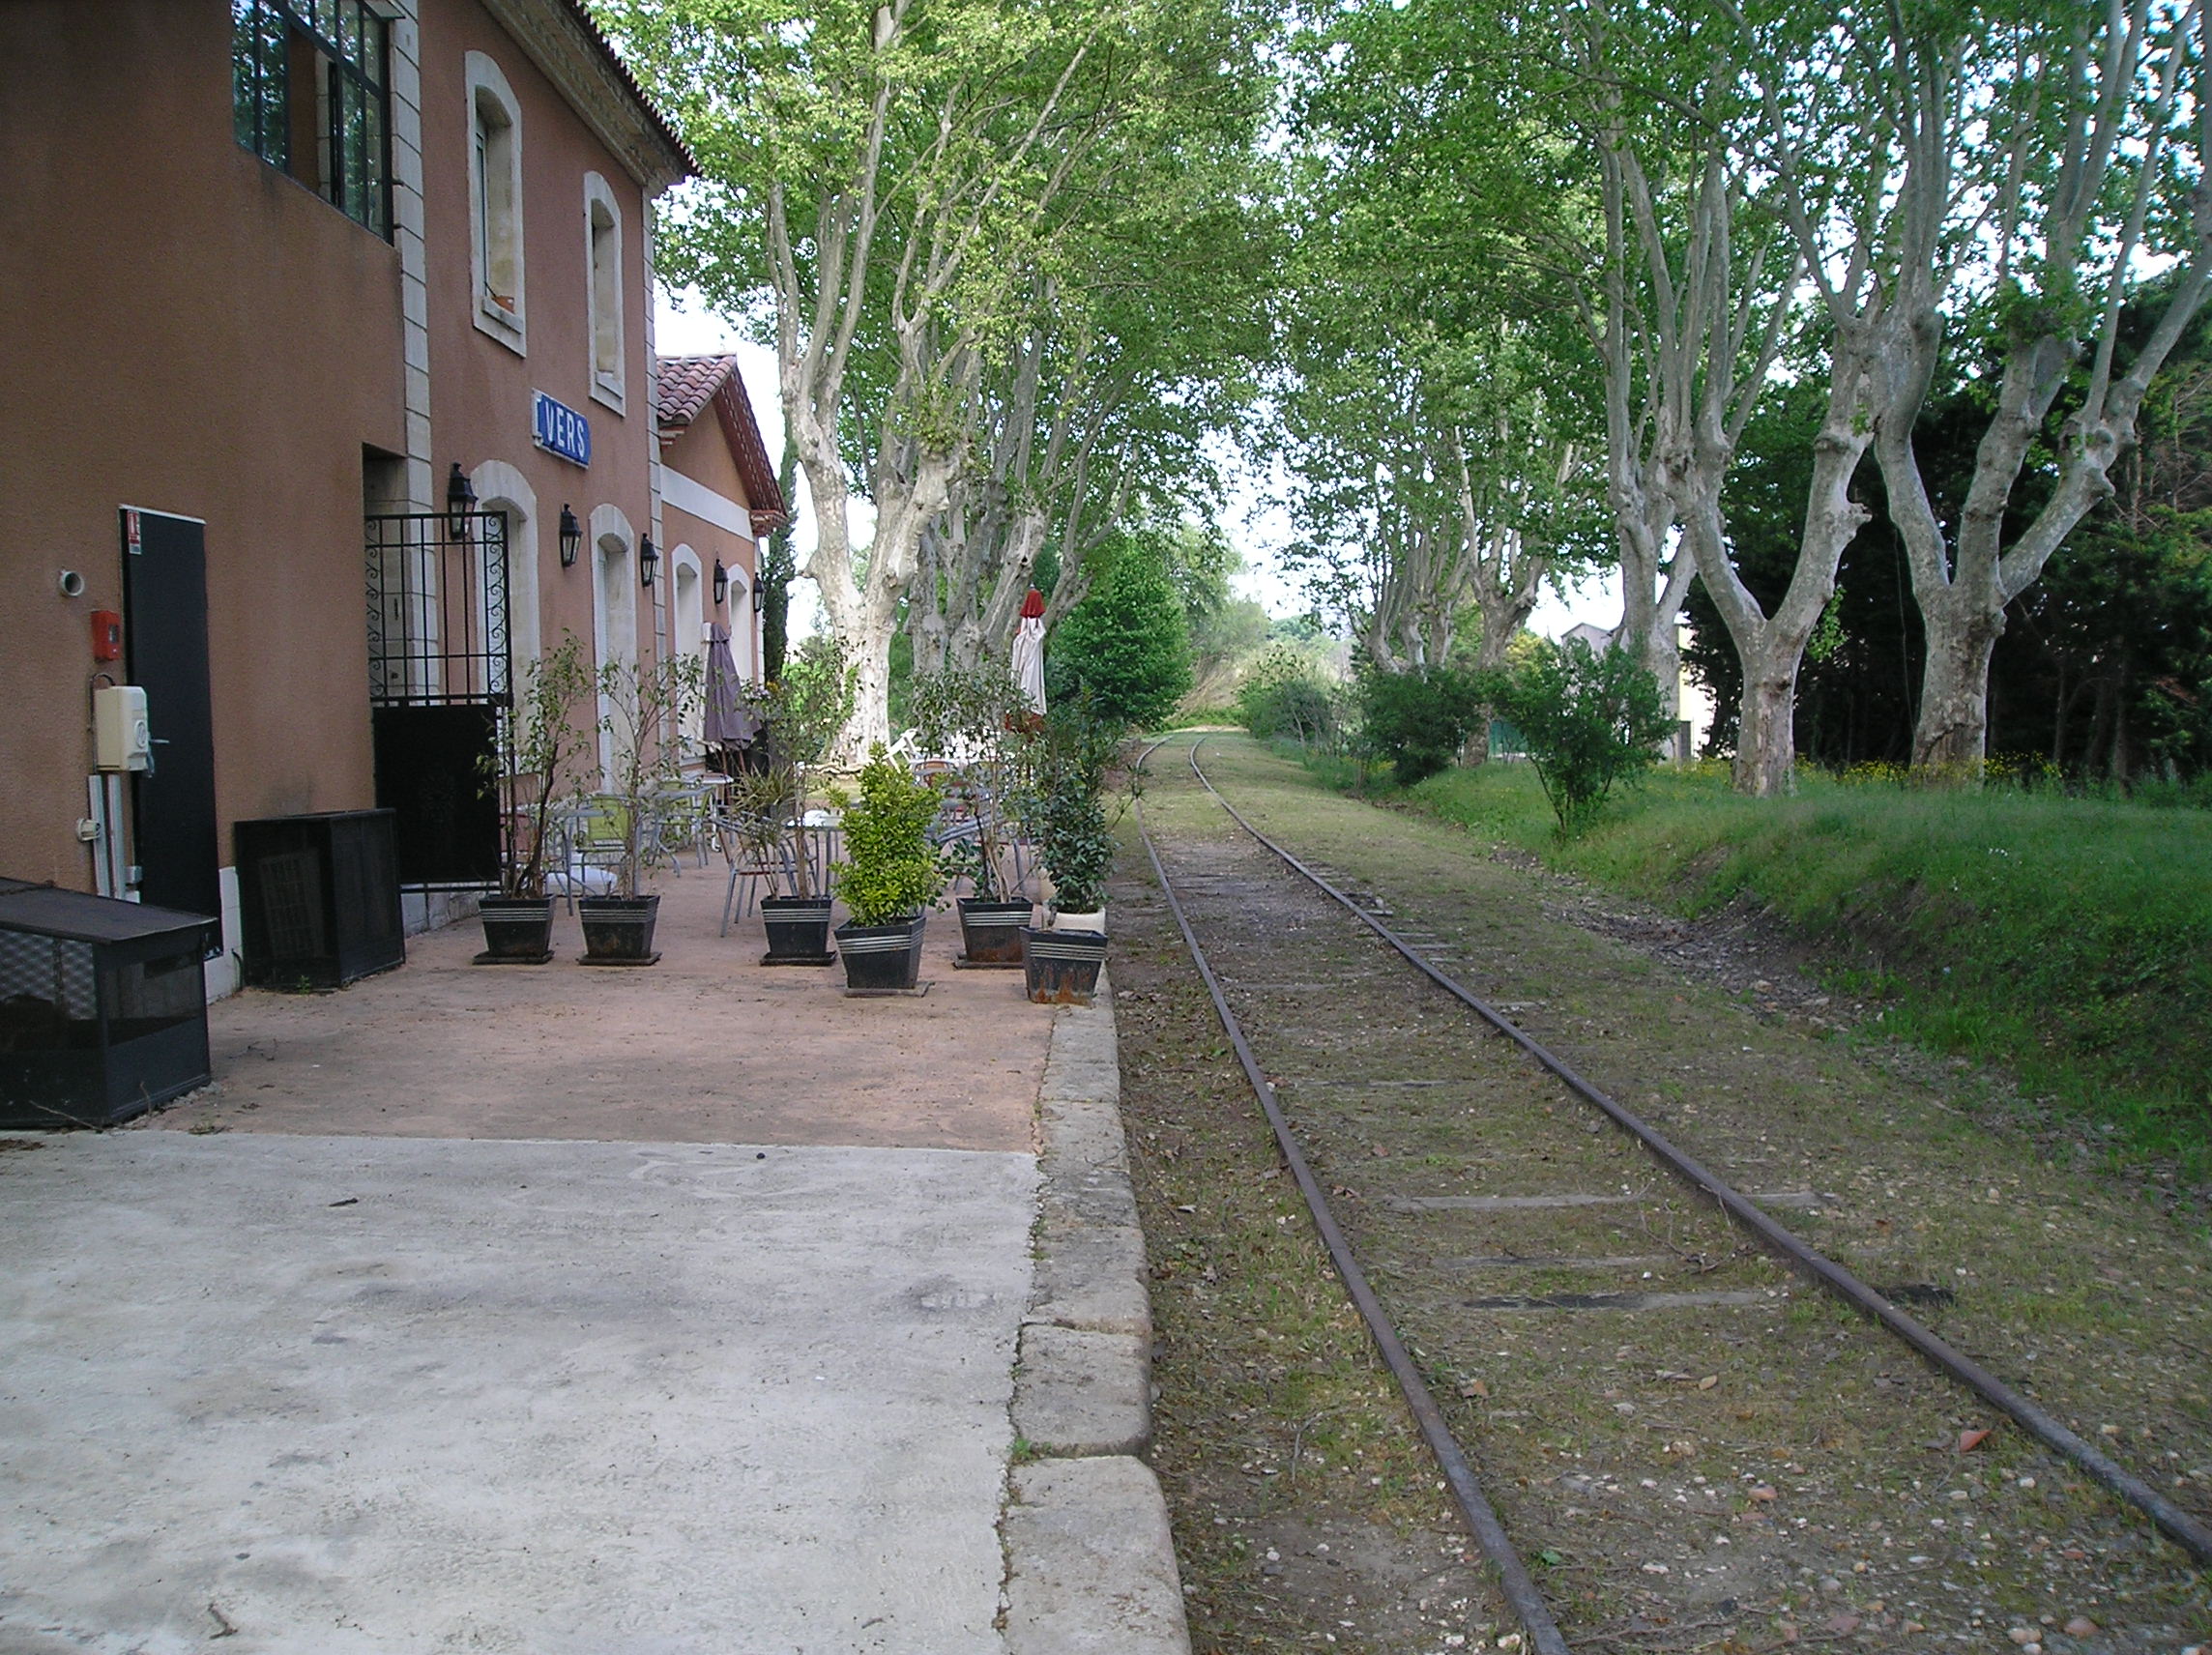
[604, 264]
[495, 202]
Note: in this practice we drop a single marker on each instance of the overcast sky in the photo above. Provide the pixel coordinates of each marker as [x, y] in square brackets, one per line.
[1256, 527]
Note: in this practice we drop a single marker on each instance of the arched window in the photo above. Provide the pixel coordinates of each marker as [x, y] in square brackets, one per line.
[495, 201]
[687, 612]
[614, 606]
[501, 487]
[603, 263]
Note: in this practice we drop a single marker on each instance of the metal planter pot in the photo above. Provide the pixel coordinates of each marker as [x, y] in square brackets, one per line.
[1062, 965]
[991, 930]
[798, 930]
[618, 930]
[516, 930]
[881, 957]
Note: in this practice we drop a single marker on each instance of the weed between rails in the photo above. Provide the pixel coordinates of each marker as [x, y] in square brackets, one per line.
[2067, 941]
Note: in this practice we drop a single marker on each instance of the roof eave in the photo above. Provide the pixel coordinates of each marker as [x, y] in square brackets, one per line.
[571, 50]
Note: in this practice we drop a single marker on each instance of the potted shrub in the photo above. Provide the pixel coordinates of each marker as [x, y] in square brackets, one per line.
[541, 742]
[1063, 958]
[975, 719]
[645, 703]
[890, 876]
[806, 707]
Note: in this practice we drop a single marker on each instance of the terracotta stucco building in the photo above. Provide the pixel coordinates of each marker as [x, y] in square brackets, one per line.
[321, 335]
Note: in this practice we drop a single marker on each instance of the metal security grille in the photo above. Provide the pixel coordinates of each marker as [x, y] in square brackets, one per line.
[437, 609]
[309, 94]
[439, 690]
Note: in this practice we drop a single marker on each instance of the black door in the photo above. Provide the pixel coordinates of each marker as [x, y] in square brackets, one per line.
[165, 637]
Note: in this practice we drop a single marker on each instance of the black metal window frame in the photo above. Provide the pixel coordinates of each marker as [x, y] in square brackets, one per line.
[350, 42]
[438, 625]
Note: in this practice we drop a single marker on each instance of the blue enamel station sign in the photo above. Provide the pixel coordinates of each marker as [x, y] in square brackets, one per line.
[560, 429]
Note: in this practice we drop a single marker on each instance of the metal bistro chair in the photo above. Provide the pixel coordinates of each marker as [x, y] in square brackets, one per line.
[757, 853]
[680, 820]
[598, 834]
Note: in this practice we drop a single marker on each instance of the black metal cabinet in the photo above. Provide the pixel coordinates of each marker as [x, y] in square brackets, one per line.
[318, 899]
[102, 1006]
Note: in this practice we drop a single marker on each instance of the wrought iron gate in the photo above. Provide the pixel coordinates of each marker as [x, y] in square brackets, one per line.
[438, 690]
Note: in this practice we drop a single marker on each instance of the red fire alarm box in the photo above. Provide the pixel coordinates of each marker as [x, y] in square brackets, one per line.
[107, 635]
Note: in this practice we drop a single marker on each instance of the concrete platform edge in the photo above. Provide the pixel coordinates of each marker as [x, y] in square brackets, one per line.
[1091, 1560]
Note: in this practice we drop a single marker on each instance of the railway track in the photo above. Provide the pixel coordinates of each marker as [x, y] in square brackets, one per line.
[1464, 1164]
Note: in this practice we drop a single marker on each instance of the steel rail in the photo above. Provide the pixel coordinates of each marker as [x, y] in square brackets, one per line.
[2177, 1524]
[1513, 1578]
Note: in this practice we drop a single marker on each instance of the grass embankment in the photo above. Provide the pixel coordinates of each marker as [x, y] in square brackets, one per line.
[2068, 940]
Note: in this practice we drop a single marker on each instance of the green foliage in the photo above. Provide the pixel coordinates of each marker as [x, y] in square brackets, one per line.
[1419, 721]
[1077, 749]
[1283, 694]
[1127, 645]
[1588, 720]
[2069, 939]
[542, 739]
[804, 709]
[889, 872]
[779, 563]
[813, 698]
[645, 701]
[977, 720]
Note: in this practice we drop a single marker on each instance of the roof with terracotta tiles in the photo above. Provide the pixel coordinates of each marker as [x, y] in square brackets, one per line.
[686, 385]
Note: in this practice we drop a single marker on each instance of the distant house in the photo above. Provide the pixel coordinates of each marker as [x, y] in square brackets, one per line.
[1696, 703]
[718, 496]
[1598, 638]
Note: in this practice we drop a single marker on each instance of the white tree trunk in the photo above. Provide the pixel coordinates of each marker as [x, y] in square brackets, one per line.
[1772, 648]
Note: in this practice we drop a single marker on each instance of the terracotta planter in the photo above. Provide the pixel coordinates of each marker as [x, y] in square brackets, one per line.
[1062, 965]
[991, 930]
[881, 957]
[618, 930]
[798, 930]
[516, 930]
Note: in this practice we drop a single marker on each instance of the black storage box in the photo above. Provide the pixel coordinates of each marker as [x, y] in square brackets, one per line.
[102, 1006]
[318, 899]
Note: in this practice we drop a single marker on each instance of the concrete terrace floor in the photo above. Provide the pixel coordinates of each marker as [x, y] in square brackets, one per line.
[540, 1310]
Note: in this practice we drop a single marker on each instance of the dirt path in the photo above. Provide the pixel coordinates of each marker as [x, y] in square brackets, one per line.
[1710, 1456]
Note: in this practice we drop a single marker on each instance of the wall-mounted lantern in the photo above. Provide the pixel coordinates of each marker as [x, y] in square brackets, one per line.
[721, 583]
[460, 502]
[571, 536]
[648, 559]
[760, 595]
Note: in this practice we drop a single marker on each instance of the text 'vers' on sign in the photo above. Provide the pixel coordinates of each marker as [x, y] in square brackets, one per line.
[560, 429]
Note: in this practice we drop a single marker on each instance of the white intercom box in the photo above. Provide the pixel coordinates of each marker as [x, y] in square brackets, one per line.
[121, 737]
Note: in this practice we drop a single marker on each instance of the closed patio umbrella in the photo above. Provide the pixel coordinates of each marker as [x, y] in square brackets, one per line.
[728, 721]
[1028, 650]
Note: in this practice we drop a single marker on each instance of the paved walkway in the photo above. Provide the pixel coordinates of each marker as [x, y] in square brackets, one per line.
[533, 1310]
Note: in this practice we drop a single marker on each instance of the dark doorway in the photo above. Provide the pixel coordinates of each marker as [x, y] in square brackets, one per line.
[438, 689]
[166, 641]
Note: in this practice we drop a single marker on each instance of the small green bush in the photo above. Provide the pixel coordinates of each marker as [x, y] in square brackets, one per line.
[1589, 720]
[889, 872]
[1077, 749]
[1127, 645]
[1283, 695]
[1419, 719]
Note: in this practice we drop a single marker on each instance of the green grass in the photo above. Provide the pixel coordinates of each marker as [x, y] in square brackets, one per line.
[2068, 940]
